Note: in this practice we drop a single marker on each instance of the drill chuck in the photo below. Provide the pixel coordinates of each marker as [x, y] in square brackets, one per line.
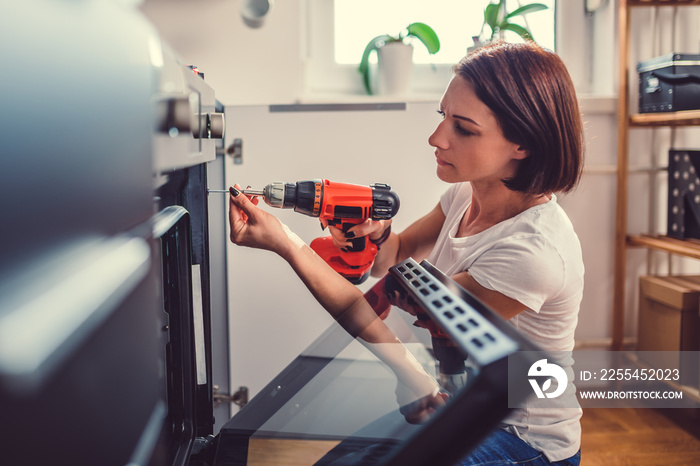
[274, 194]
[303, 196]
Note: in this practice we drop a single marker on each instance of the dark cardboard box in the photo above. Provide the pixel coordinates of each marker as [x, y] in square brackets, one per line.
[669, 83]
[669, 322]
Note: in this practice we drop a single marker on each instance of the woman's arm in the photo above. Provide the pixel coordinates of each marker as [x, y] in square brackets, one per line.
[256, 228]
[501, 304]
[416, 241]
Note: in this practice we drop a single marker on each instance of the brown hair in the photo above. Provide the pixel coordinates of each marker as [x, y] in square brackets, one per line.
[533, 98]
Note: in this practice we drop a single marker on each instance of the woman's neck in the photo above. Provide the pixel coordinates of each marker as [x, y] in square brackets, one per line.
[491, 205]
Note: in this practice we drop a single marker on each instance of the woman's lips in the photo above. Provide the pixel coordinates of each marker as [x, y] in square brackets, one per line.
[440, 161]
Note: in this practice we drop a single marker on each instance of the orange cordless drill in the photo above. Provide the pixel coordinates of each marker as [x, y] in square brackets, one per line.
[341, 205]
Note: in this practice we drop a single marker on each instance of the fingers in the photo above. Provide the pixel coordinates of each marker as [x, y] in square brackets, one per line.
[235, 213]
[404, 303]
[241, 211]
[242, 202]
[421, 410]
[339, 238]
[236, 217]
[371, 228]
[247, 205]
[254, 199]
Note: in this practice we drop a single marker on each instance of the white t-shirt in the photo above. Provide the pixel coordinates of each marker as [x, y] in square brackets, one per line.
[534, 258]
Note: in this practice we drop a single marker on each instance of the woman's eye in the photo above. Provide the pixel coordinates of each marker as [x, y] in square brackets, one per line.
[441, 113]
[463, 131]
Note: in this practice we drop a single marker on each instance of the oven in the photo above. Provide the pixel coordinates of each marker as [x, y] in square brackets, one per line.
[109, 317]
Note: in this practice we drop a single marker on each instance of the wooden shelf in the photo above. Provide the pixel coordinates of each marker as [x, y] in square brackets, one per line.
[681, 247]
[662, 2]
[625, 122]
[685, 118]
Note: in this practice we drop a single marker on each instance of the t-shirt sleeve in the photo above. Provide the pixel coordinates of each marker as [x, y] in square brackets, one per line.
[525, 268]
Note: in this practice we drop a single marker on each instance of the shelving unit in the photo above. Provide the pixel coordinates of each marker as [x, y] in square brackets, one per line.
[687, 118]
[625, 121]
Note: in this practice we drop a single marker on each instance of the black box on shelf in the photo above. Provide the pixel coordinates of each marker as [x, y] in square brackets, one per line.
[683, 194]
[669, 83]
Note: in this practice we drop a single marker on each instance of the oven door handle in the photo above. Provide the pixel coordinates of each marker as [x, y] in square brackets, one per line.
[51, 307]
[166, 219]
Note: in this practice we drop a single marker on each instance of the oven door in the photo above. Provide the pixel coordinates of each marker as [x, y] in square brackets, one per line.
[104, 352]
[183, 342]
[78, 357]
[346, 400]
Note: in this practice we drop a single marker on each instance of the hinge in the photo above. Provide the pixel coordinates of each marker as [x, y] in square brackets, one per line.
[240, 397]
[235, 150]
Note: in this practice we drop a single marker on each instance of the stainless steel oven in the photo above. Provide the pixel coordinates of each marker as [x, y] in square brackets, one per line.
[105, 280]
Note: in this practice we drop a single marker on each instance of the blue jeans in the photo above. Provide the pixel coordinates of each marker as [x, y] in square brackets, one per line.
[503, 448]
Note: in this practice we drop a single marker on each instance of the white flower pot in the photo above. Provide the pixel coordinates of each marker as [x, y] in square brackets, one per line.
[394, 68]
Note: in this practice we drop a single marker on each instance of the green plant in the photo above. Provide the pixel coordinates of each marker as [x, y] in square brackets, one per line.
[421, 31]
[499, 20]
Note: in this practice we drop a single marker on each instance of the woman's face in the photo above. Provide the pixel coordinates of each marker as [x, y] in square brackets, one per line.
[469, 144]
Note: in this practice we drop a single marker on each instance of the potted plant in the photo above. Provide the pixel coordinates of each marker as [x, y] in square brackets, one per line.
[395, 57]
[497, 18]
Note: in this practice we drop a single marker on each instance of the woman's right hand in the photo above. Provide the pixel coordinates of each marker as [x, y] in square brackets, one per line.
[255, 228]
[373, 229]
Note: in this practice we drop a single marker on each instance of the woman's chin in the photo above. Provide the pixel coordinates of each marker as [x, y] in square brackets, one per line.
[443, 172]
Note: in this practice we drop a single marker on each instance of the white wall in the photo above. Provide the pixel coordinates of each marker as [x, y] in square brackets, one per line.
[244, 65]
[251, 68]
[273, 316]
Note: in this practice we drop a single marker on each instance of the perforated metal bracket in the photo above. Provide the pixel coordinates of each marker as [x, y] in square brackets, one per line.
[464, 322]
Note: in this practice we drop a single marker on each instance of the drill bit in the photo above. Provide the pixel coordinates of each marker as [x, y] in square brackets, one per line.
[249, 192]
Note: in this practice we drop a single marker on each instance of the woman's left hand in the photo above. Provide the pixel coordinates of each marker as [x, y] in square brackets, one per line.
[421, 410]
[256, 228]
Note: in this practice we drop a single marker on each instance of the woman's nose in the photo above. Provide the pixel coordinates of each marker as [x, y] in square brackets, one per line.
[437, 139]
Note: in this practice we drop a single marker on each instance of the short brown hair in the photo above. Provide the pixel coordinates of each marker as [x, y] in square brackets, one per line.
[529, 90]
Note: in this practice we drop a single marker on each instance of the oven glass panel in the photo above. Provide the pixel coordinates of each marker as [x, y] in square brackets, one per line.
[379, 378]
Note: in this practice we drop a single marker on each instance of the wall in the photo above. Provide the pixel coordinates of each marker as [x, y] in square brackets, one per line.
[273, 316]
[244, 65]
[251, 68]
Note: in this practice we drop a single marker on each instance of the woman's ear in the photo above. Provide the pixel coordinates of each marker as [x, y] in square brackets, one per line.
[521, 153]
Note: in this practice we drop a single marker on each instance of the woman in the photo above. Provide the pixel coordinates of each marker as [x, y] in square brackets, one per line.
[509, 139]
